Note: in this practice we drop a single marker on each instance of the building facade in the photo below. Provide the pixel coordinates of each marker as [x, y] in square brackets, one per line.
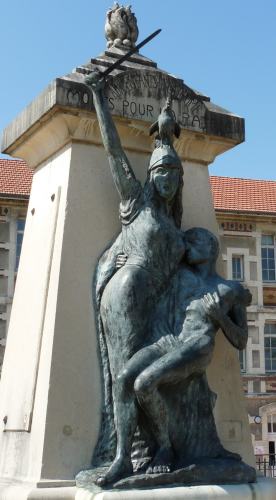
[246, 215]
[15, 185]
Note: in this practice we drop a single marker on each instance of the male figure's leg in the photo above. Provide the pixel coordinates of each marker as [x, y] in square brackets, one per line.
[191, 357]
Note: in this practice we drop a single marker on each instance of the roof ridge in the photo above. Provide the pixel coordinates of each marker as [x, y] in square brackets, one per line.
[229, 193]
[241, 178]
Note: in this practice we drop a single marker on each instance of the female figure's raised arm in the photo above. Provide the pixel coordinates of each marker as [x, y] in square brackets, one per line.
[121, 170]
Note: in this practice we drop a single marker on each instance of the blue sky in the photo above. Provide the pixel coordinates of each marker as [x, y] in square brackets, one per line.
[224, 48]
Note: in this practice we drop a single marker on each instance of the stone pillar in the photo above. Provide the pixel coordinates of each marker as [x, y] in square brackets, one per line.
[50, 393]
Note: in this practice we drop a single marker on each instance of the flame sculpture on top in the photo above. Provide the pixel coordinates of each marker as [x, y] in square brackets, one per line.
[121, 28]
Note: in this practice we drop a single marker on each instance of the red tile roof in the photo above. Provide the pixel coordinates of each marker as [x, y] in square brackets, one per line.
[230, 194]
[15, 178]
[243, 195]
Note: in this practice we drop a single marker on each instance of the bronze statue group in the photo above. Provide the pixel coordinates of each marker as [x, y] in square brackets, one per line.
[160, 303]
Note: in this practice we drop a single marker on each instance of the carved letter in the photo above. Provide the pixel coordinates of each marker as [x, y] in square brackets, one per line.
[133, 107]
[142, 109]
[149, 110]
[111, 103]
[125, 106]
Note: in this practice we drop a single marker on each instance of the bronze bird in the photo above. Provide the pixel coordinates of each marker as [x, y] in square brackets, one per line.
[166, 125]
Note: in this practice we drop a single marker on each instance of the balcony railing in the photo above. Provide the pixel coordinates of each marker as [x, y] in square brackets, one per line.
[266, 465]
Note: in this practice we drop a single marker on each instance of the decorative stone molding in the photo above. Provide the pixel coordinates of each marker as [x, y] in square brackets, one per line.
[60, 127]
[135, 98]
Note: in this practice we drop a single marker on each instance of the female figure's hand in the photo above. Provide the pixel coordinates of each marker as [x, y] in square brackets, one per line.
[212, 306]
[95, 80]
[120, 260]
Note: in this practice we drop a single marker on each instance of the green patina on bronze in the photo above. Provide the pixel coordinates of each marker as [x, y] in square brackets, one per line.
[160, 303]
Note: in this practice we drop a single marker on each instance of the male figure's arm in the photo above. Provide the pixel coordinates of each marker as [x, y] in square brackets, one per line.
[233, 324]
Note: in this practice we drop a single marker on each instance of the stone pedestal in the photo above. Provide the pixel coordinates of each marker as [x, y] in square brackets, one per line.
[264, 489]
[50, 393]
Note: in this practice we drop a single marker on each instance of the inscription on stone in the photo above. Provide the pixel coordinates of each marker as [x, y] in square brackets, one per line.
[141, 95]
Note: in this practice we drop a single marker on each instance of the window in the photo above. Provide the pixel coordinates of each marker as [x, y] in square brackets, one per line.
[270, 346]
[242, 359]
[271, 423]
[237, 267]
[256, 386]
[4, 232]
[2, 328]
[253, 333]
[255, 359]
[268, 257]
[19, 239]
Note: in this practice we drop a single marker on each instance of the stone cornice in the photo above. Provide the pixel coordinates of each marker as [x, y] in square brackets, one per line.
[65, 112]
[245, 216]
[10, 201]
[61, 126]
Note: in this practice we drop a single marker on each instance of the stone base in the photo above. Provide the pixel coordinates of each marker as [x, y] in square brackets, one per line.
[27, 491]
[263, 489]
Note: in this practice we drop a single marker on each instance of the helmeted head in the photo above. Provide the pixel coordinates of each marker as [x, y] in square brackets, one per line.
[164, 155]
[165, 178]
[201, 246]
[166, 171]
